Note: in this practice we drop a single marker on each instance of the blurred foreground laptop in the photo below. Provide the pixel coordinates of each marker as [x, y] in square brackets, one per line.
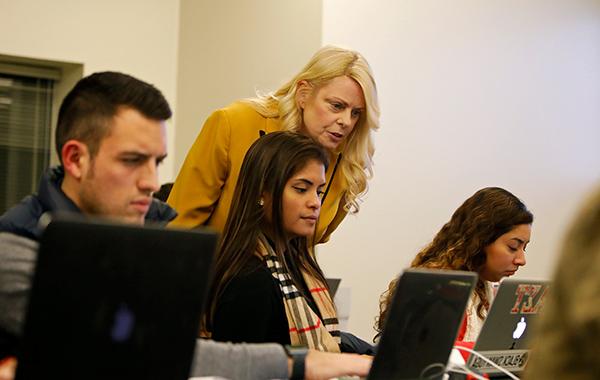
[115, 302]
[505, 337]
[422, 324]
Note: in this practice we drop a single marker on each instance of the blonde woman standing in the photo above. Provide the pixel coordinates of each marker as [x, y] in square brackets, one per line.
[332, 100]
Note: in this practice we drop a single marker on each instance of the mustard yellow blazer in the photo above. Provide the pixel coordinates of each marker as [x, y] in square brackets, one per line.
[204, 187]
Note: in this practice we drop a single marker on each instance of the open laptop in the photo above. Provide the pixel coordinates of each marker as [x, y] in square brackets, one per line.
[115, 302]
[422, 324]
[505, 337]
[333, 284]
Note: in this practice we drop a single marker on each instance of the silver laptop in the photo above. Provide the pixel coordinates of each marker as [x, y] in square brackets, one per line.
[422, 323]
[506, 334]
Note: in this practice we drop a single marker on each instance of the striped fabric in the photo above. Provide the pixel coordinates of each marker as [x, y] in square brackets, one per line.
[306, 328]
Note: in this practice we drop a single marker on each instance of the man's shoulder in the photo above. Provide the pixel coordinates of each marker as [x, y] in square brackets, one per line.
[16, 247]
[22, 219]
[160, 212]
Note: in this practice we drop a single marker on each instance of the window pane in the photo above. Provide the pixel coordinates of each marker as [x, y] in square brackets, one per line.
[25, 117]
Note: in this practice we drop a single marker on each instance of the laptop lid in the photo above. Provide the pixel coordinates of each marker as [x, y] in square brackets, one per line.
[422, 323]
[115, 302]
[506, 334]
[333, 284]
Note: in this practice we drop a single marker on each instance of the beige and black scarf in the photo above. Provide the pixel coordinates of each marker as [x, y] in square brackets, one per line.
[306, 328]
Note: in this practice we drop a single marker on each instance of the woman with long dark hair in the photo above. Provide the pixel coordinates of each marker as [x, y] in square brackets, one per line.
[267, 285]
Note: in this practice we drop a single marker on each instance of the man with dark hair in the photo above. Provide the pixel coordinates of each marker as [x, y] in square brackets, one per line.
[111, 138]
[87, 111]
[110, 142]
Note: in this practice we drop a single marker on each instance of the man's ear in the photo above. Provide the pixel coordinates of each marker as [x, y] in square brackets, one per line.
[75, 158]
[303, 91]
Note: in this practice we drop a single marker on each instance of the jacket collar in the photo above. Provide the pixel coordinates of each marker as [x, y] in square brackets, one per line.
[50, 194]
[53, 199]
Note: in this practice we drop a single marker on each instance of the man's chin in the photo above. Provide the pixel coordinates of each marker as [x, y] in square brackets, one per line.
[128, 219]
[135, 220]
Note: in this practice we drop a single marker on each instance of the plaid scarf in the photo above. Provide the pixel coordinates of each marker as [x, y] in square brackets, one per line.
[306, 328]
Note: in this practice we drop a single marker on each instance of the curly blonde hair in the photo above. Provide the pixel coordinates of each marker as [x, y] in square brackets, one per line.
[460, 244]
[328, 63]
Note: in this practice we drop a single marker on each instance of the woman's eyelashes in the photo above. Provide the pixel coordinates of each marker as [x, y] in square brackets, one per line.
[302, 190]
[356, 113]
[515, 248]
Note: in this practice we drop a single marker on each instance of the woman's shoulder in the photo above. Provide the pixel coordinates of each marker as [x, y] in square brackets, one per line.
[241, 109]
[245, 121]
[254, 274]
[490, 289]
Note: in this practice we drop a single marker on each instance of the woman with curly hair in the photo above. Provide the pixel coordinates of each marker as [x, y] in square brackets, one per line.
[487, 234]
[333, 100]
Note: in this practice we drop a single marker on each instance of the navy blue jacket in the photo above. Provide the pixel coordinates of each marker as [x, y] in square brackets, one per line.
[23, 218]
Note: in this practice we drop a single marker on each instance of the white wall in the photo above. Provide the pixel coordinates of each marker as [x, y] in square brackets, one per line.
[138, 37]
[473, 94]
[228, 49]
[223, 50]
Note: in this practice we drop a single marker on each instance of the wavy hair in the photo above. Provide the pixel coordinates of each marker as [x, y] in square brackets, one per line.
[269, 163]
[460, 244]
[328, 63]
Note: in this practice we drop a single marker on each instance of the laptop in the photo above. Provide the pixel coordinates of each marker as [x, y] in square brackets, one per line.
[115, 302]
[422, 323]
[506, 335]
[333, 284]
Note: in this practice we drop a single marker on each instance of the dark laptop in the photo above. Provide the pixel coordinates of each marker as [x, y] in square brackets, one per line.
[115, 302]
[505, 337]
[422, 324]
[333, 284]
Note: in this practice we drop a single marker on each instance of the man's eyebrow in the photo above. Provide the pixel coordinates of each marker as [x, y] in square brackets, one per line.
[142, 155]
[133, 153]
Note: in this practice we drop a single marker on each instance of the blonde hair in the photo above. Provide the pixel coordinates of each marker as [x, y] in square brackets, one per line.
[328, 63]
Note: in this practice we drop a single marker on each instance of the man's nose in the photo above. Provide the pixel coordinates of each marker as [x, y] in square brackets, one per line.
[148, 181]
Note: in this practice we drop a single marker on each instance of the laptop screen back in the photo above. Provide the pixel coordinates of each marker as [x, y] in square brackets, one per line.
[333, 284]
[116, 302]
[422, 324]
[506, 334]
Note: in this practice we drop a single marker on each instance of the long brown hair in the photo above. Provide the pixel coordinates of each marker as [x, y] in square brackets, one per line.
[460, 244]
[269, 163]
